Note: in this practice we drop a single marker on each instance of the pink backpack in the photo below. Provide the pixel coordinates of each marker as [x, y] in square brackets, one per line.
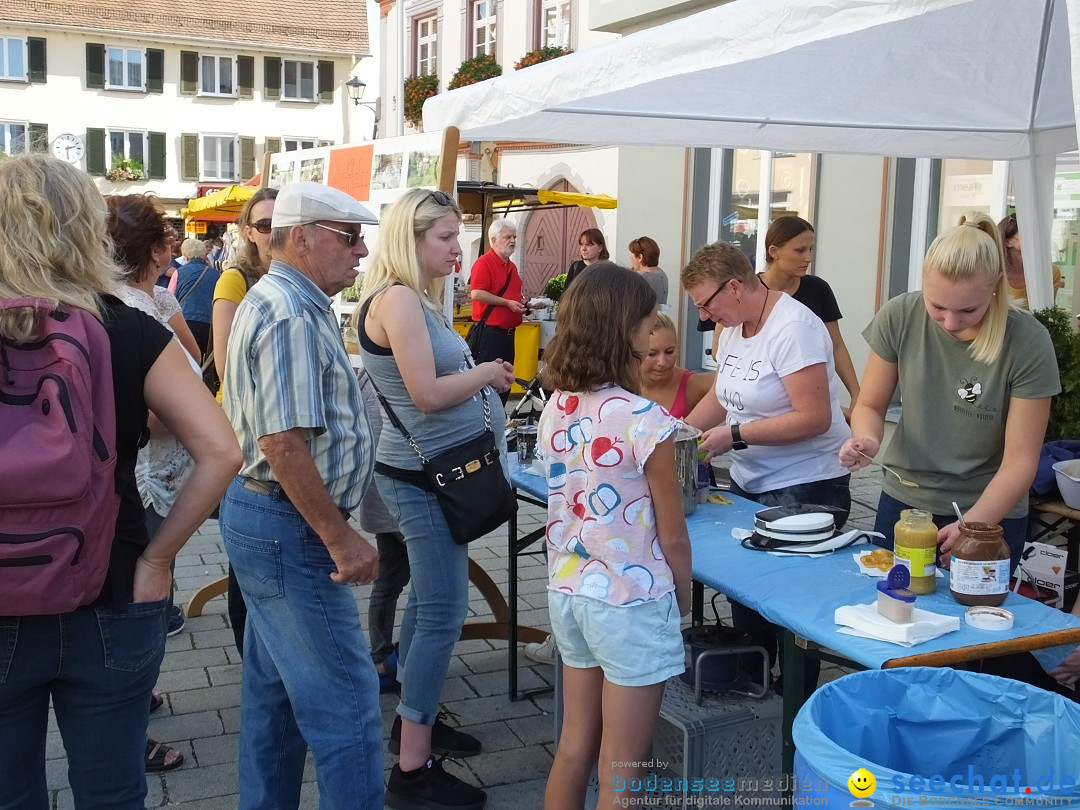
[58, 500]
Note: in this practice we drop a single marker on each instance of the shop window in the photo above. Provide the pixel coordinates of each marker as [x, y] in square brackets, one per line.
[483, 27]
[298, 80]
[218, 157]
[124, 68]
[217, 75]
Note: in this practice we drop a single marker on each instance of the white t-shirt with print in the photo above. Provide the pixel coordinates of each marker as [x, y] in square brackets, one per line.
[749, 384]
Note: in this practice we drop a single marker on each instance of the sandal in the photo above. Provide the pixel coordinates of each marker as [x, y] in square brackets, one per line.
[156, 701]
[161, 757]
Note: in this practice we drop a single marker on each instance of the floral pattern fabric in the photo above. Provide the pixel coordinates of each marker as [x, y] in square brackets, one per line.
[601, 530]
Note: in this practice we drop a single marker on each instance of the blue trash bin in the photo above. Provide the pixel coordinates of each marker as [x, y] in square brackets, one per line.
[937, 737]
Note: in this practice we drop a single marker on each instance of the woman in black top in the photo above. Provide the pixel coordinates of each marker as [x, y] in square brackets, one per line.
[789, 248]
[98, 663]
[593, 248]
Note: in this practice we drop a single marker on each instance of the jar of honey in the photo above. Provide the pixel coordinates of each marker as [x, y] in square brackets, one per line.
[980, 565]
[915, 548]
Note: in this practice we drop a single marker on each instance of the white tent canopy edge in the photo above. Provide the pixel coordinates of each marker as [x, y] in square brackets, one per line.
[986, 79]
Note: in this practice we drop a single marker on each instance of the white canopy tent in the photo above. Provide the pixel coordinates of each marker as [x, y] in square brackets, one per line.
[986, 79]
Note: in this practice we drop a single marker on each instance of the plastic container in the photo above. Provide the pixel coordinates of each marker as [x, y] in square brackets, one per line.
[895, 601]
[909, 725]
[915, 547]
[1068, 481]
[980, 565]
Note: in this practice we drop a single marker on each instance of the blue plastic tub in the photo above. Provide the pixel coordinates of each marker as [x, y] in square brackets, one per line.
[937, 737]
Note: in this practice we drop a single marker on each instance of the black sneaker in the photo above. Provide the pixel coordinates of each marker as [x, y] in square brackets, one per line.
[445, 741]
[432, 789]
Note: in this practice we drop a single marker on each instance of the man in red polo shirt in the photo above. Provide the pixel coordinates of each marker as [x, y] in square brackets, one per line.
[494, 282]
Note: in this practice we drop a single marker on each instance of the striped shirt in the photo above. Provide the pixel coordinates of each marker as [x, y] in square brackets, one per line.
[287, 368]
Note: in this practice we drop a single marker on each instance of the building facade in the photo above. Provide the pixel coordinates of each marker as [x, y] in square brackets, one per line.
[149, 98]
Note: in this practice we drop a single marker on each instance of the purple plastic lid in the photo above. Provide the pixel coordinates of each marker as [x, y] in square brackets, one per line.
[896, 584]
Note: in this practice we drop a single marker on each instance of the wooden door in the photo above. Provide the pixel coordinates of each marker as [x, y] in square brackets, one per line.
[551, 242]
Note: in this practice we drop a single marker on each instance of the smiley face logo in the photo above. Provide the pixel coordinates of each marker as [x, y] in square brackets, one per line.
[861, 783]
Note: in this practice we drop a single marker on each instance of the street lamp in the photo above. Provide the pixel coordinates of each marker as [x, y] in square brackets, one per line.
[356, 93]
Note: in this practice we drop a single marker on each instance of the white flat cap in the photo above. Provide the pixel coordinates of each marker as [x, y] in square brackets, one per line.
[307, 202]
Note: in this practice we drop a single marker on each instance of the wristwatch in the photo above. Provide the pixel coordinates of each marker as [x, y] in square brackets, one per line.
[737, 442]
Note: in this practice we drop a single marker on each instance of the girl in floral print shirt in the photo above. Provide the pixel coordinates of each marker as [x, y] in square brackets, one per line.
[618, 551]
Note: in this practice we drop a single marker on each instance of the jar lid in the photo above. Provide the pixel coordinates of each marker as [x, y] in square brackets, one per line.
[988, 618]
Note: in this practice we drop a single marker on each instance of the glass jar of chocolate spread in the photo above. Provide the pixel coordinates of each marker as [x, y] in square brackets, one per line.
[915, 548]
[980, 565]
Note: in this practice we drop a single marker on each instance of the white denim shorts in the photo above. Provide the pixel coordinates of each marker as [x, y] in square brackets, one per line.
[635, 645]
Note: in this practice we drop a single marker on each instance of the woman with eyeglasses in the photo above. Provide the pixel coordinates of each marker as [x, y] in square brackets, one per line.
[252, 260]
[424, 371]
[771, 406]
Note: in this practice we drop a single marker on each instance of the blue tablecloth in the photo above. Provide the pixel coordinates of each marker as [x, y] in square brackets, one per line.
[803, 593]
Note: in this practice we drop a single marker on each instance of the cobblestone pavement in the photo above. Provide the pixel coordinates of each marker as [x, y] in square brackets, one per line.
[200, 680]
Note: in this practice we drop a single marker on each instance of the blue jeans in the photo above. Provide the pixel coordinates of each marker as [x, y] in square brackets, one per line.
[99, 666]
[438, 599]
[308, 680]
[888, 512]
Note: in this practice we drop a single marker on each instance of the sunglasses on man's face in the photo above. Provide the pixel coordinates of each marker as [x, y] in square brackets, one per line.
[263, 226]
[350, 237]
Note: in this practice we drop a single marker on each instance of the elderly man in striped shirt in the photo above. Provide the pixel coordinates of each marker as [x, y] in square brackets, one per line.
[293, 399]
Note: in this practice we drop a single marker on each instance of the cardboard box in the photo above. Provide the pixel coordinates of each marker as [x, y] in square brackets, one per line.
[1042, 575]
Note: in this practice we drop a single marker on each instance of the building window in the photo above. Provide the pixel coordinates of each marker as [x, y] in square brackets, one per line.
[127, 145]
[483, 27]
[12, 59]
[292, 144]
[218, 157]
[216, 76]
[125, 69]
[299, 82]
[554, 24]
[12, 138]
[426, 45]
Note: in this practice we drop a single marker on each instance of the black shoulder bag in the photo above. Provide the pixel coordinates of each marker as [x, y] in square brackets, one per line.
[477, 329]
[467, 480]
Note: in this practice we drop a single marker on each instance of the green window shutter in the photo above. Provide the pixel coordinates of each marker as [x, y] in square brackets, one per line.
[39, 137]
[95, 66]
[326, 82]
[247, 157]
[155, 165]
[95, 152]
[245, 76]
[271, 77]
[155, 70]
[189, 157]
[273, 145]
[189, 73]
[35, 47]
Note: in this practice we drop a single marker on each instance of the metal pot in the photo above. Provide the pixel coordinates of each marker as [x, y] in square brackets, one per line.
[686, 465]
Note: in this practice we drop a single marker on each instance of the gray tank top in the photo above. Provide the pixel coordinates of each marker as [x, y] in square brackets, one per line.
[433, 432]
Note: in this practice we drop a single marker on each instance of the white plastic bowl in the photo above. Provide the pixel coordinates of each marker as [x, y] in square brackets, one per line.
[1068, 481]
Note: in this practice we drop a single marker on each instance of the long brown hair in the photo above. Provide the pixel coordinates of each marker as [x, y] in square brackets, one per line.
[246, 258]
[598, 314]
[594, 236]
